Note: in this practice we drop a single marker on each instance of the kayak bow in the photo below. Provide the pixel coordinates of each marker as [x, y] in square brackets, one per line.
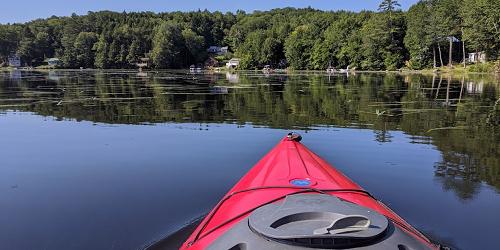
[293, 199]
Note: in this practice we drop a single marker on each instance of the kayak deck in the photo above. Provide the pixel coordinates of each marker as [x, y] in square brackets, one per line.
[289, 168]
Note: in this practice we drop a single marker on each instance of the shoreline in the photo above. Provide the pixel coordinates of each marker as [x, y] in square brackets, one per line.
[439, 71]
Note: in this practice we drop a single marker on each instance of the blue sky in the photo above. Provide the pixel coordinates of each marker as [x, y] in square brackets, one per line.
[25, 10]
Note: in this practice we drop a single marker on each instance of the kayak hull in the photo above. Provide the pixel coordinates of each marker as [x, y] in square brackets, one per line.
[289, 168]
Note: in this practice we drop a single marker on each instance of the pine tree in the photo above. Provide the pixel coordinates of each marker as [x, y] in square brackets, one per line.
[101, 53]
[388, 6]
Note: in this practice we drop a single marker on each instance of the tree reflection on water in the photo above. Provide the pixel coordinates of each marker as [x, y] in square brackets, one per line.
[459, 115]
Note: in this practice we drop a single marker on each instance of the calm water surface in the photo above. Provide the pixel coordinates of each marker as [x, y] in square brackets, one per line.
[118, 160]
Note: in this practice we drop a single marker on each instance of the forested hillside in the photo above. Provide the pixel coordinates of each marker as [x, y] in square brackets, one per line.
[429, 34]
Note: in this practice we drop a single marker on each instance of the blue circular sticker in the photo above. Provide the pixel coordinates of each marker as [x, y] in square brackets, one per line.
[300, 182]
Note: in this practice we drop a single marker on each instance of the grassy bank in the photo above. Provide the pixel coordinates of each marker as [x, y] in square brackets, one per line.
[486, 68]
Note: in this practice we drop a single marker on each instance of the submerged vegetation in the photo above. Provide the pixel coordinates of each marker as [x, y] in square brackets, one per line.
[431, 33]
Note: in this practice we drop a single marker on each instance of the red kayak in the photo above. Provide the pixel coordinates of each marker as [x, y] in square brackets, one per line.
[293, 199]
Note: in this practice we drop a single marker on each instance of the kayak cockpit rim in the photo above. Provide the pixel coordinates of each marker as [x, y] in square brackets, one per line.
[199, 236]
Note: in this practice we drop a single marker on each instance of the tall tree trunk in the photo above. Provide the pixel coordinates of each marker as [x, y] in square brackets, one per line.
[434, 56]
[463, 47]
[450, 63]
[440, 55]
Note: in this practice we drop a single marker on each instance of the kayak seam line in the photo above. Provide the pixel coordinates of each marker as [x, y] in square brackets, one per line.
[302, 160]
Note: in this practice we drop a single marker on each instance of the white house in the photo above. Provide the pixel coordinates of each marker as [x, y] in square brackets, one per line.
[233, 63]
[477, 57]
[14, 61]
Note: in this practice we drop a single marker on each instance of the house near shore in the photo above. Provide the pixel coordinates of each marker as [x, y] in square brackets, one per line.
[213, 49]
[218, 50]
[54, 62]
[477, 57]
[233, 63]
[14, 61]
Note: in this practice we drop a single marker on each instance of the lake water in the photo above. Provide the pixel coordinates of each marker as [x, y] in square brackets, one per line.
[119, 160]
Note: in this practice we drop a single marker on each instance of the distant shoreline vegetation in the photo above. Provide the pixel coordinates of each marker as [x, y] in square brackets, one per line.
[431, 34]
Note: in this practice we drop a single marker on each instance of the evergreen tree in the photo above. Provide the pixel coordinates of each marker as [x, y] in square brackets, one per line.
[27, 46]
[167, 46]
[388, 5]
[8, 42]
[418, 39]
[101, 53]
[447, 22]
[298, 47]
[134, 53]
[195, 47]
[481, 25]
[84, 51]
[114, 54]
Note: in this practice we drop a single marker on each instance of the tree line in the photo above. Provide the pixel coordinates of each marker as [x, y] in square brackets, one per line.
[431, 33]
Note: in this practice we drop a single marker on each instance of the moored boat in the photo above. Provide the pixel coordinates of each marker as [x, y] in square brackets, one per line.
[293, 199]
